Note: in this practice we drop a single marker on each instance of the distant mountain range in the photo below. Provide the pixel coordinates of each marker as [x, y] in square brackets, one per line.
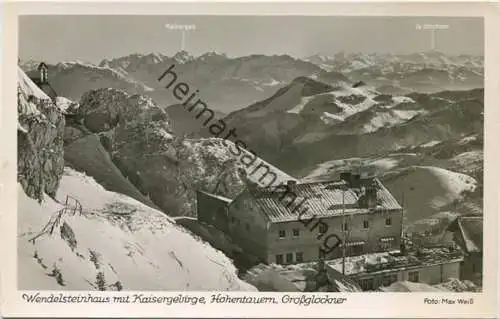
[417, 118]
[228, 84]
[298, 115]
[421, 72]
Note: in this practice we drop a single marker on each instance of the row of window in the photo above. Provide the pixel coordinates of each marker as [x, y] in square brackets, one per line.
[387, 280]
[288, 258]
[236, 221]
[295, 233]
[352, 249]
[323, 228]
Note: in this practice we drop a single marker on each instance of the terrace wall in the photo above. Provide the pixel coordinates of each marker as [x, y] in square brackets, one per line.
[430, 275]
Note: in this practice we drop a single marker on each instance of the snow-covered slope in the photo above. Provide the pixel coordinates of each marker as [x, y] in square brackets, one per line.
[114, 243]
[428, 189]
[28, 87]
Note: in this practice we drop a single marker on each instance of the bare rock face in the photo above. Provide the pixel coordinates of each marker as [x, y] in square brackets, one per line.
[103, 109]
[40, 133]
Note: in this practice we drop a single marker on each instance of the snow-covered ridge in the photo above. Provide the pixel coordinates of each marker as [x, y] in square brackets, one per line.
[104, 67]
[220, 149]
[29, 94]
[367, 99]
[115, 243]
[28, 87]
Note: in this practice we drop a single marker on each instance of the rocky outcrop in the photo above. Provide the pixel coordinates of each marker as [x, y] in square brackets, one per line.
[40, 133]
[165, 168]
[104, 109]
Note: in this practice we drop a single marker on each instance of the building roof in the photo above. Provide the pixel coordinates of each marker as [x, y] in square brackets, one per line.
[41, 65]
[217, 197]
[392, 261]
[322, 199]
[299, 277]
[408, 286]
[470, 232]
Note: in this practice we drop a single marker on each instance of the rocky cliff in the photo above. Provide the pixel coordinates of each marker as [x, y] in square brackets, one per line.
[40, 140]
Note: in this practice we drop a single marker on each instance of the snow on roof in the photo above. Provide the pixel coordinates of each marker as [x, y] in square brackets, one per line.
[471, 229]
[299, 277]
[390, 261]
[221, 198]
[323, 199]
[408, 286]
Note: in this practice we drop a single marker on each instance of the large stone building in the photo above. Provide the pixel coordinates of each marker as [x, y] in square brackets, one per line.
[301, 222]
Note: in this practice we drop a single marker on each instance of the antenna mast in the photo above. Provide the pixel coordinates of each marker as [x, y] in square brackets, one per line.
[184, 28]
[433, 28]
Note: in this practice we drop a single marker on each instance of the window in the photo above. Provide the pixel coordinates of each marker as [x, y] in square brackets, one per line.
[233, 220]
[387, 243]
[279, 259]
[289, 258]
[323, 228]
[366, 224]
[413, 276]
[356, 249]
[345, 227]
[299, 257]
[388, 221]
[282, 233]
[296, 232]
[366, 284]
[247, 226]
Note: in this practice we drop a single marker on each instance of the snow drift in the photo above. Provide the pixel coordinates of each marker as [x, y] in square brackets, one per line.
[112, 243]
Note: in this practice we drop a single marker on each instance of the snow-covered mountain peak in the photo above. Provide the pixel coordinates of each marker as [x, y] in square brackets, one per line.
[182, 57]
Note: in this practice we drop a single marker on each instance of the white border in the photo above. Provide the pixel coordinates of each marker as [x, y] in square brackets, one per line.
[359, 304]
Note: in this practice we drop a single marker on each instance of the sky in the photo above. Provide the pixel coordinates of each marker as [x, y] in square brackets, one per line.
[57, 38]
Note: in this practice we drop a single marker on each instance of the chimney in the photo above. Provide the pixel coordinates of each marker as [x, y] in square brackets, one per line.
[371, 197]
[356, 181]
[346, 176]
[42, 67]
[290, 185]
